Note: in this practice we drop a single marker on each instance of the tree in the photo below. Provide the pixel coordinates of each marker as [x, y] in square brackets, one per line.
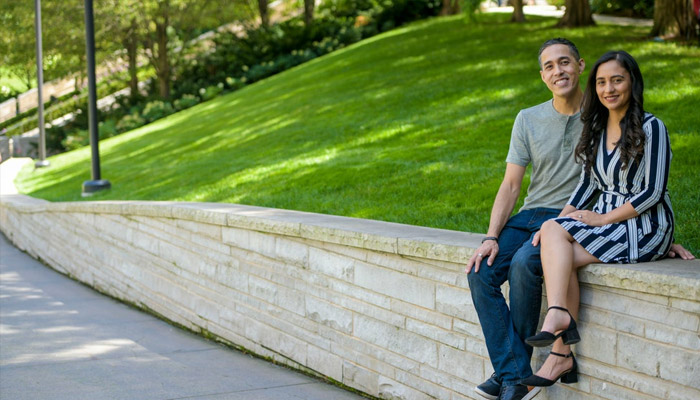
[578, 13]
[518, 14]
[674, 18]
[264, 17]
[450, 7]
[308, 11]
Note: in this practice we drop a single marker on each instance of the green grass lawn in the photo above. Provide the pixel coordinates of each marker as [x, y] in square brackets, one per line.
[411, 126]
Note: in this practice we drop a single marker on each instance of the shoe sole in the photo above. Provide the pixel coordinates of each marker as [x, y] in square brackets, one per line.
[532, 393]
[484, 394]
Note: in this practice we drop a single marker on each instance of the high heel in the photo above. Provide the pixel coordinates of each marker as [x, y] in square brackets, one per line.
[569, 376]
[569, 335]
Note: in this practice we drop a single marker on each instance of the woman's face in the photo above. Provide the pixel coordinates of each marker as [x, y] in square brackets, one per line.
[613, 86]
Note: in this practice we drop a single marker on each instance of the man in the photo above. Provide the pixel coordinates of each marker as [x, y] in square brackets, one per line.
[544, 136]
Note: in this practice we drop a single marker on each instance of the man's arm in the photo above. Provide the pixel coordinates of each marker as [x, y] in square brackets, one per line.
[502, 208]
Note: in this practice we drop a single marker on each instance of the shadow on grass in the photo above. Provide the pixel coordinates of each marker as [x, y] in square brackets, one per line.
[409, 127]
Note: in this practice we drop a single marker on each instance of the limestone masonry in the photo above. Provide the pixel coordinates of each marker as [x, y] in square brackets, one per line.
[384, 308]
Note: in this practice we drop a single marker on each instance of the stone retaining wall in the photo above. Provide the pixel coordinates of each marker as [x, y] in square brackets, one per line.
[383, 308]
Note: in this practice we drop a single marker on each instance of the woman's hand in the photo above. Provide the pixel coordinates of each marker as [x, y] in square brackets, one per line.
[536, 239]
[679, 251]
[487, 249]
[588, 217]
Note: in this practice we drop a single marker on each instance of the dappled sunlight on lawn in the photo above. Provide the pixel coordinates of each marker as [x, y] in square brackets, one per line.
[410, 126]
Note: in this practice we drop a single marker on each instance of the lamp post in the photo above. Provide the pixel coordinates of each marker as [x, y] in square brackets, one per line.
[97, 183]
[43, 162]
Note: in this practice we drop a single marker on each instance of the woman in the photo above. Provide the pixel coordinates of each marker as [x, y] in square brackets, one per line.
[625, 154]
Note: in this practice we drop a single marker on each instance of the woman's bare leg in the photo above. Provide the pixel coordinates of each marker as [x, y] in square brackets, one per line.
[561, 256]
[553, 365]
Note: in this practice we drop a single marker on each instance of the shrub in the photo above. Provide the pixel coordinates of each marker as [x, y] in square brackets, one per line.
[129, 122]
[186, 101]
[157, 109]
[627, 8]
[210, 92]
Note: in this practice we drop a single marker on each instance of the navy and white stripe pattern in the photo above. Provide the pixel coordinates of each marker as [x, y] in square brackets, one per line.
[646, 237]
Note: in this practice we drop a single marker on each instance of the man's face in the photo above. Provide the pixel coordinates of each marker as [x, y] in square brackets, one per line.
[560, 70]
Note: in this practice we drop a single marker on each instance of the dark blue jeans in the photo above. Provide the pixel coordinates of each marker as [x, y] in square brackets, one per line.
[518, 262]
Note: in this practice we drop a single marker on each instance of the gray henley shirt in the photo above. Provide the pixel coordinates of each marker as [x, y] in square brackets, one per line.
[546, 139]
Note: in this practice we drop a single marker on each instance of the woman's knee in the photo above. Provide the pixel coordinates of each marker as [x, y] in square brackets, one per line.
[551, 230]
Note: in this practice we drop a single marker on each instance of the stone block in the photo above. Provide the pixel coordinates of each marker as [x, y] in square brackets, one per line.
[394, 284]
[455, 302]
[325, 363]
[598, 343]
[291, 251]
[261, 224]
[360, 378]
[261, 243]
[641, 309]
[331, 264]
[327, 314]
[434, 250]
[611, 391]
[392, 390]
[359, 293]
[459, 363]
[434, 333]
[236, 237]
[669, 335]
[418, 383]
[614, 321]
[200, 229]
[421, 314]
[396, 340]
[667, 362]
[349, 237]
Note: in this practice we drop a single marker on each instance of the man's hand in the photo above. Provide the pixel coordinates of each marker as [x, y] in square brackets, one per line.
[487, 249]
[536, 239]
[588, 217]
[679, 251]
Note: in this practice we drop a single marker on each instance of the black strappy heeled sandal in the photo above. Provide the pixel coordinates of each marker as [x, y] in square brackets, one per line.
[569, 376]
[569, 335]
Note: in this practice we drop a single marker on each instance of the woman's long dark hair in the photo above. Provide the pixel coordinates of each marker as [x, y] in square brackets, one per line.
[595, 116]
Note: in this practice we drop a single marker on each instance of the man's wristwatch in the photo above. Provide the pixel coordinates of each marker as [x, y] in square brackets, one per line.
[494, 238]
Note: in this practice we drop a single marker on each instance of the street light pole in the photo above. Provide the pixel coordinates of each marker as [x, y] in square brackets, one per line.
[43, 162]
[97, 183]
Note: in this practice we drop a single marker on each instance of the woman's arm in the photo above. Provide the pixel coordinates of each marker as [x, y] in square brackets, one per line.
[657, 156]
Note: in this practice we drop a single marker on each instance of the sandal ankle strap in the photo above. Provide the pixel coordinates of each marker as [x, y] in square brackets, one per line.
[558, 308]
[570, 355]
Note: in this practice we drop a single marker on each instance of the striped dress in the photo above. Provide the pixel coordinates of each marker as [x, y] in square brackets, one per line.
[646, 237]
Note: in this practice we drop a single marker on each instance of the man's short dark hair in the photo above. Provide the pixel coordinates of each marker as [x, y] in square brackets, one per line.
[566, 42]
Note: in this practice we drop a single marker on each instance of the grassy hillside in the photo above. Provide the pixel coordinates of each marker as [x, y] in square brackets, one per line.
[411, 126]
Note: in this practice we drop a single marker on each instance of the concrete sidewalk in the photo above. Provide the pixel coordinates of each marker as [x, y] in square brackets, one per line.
[62, 340]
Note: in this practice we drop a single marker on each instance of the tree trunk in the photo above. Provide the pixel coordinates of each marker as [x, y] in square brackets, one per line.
[518, 14]
[450, 7]
[131, 43]
[309, 11]
[163, 70]
[674, 18]
[578, 13]
[264, 17]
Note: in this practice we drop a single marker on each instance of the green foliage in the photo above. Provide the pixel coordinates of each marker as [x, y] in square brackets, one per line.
[129, 122]
[186, 101]
[411, 126]
[627, 8]
[156, 110]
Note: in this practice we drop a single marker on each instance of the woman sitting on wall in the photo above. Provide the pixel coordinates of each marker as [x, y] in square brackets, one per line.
[626, 155]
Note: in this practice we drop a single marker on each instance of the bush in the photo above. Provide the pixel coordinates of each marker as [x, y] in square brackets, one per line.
[129, 122]
[627, 8]
[210, 92]
[156, 110]
[186, 101]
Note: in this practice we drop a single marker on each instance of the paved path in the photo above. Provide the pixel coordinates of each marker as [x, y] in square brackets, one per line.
[62, 340]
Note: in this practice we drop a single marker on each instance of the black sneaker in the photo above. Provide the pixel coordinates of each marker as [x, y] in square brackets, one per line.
[519, 392]
[490, 389]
